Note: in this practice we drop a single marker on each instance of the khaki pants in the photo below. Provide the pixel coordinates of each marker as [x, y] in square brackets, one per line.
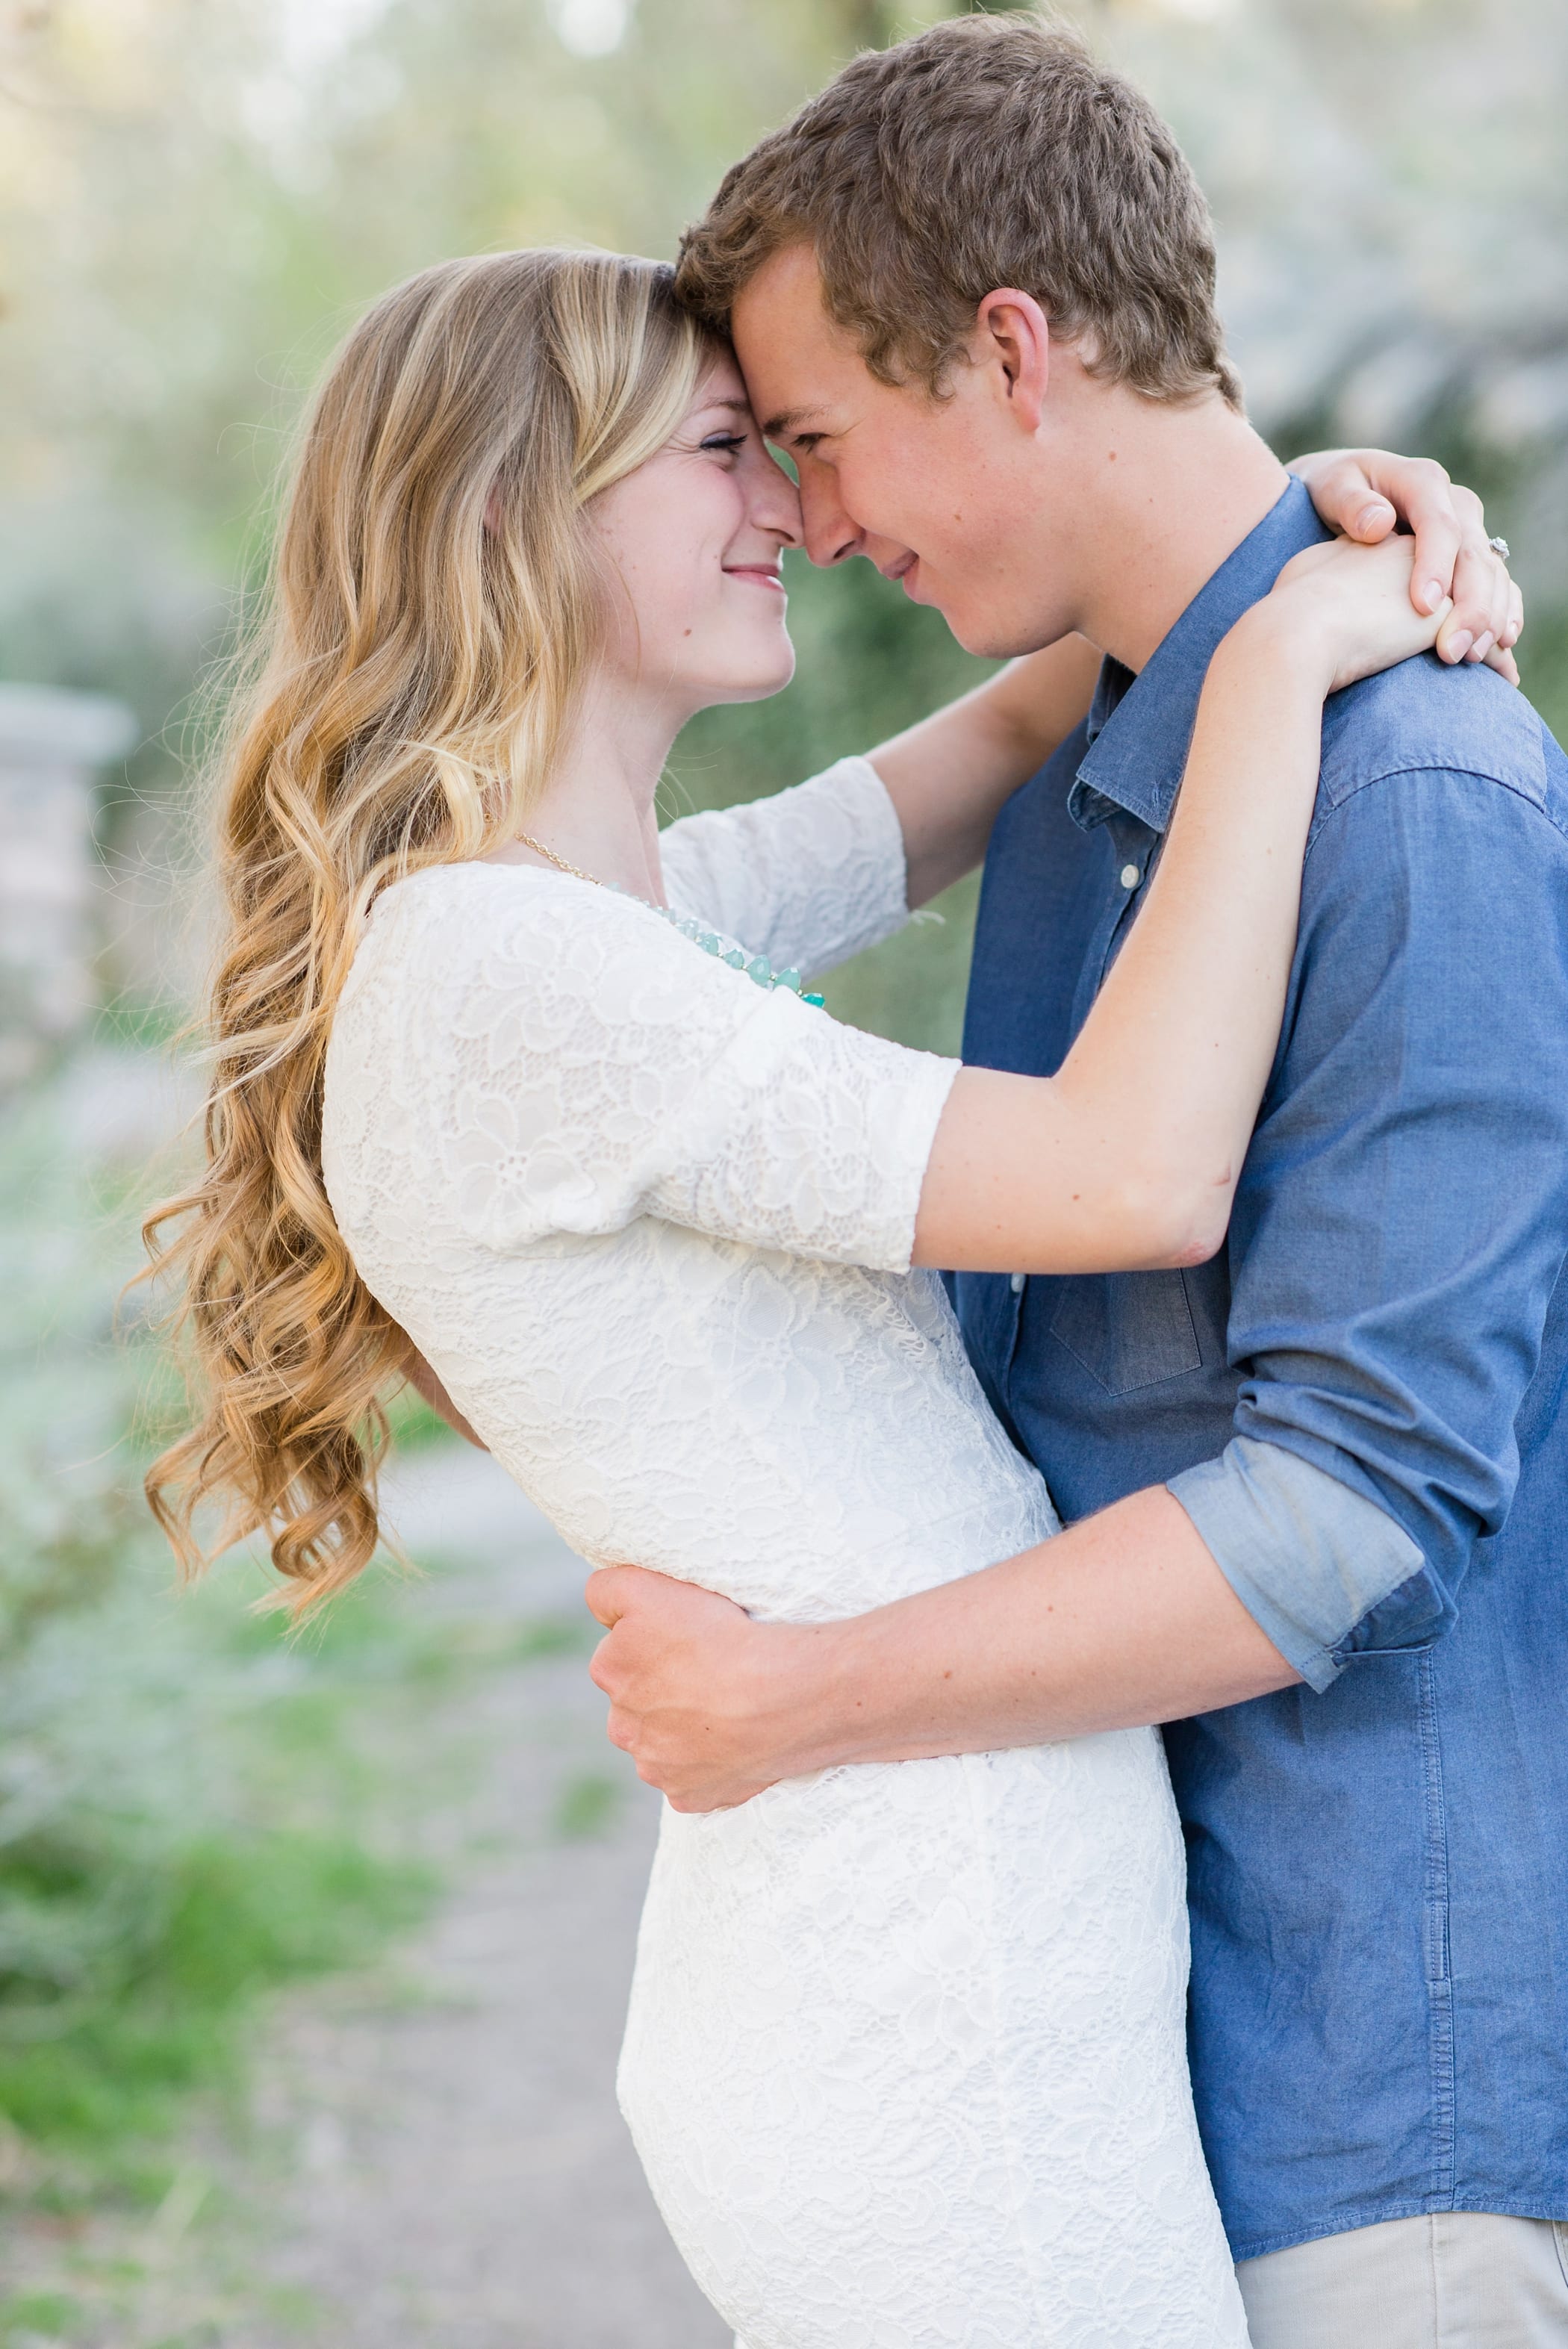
[1459, 2280]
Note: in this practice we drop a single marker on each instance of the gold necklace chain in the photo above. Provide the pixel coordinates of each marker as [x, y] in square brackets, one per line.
[758, 968]
[575, 871]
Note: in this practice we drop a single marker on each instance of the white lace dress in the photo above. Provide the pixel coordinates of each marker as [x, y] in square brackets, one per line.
[905, 2056]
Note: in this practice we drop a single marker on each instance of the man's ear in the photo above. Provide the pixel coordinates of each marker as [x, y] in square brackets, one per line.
[1013, 334]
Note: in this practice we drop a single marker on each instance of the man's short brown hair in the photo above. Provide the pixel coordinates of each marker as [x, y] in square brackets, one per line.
[987, 152]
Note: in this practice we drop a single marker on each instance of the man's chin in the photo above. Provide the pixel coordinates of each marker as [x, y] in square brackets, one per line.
[991, 637]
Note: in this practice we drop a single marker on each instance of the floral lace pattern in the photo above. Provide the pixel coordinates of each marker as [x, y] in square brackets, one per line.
[905, 2058]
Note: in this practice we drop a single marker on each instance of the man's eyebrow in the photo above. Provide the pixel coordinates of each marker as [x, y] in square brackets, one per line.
[788, 419]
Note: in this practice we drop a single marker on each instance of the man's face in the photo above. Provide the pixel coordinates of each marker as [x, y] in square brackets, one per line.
[945, 495]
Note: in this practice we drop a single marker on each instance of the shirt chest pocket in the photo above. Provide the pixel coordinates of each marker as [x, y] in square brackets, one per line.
[1128, 1330]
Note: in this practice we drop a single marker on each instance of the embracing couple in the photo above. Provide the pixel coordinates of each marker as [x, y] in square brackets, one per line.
[1250, 1192]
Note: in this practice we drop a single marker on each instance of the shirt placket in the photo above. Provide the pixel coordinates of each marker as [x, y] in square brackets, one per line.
[1135, 849]
[1134, 852]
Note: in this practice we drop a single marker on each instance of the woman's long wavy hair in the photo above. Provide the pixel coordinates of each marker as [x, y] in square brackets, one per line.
[434, 605]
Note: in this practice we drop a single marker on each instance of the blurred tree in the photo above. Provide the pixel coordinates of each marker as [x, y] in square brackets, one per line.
[194, 201]
[194, 205]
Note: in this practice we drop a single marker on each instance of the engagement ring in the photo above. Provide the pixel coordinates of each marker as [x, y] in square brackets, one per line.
[1502, 546]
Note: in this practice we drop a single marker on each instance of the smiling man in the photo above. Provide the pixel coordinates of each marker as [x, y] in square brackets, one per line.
[1313, 1488]
[1032, 498]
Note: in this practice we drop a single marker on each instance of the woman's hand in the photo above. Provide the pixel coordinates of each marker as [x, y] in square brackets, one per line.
[1367, 494]
[1344, 611]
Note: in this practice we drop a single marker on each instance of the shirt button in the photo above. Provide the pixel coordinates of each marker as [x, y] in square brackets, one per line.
[1017, 1284]
[1131, 876]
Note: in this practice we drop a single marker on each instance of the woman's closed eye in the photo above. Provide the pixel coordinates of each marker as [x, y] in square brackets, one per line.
[727, 444]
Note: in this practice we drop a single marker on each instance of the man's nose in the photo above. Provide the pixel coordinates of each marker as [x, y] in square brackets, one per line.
[830, 535]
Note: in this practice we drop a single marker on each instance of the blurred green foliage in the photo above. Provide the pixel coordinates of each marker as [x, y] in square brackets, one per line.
[178, 1953]
[188, 1813]
[195, 202]
[587, 1806]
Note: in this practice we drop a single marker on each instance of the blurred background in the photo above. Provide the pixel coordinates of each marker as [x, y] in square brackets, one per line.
[311, 1954]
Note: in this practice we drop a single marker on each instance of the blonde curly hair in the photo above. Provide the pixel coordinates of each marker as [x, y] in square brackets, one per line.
[434, 603]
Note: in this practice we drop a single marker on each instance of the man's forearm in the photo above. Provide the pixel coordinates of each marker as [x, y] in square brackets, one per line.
[1123, 1621]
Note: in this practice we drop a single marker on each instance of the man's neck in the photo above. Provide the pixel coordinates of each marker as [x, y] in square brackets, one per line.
[1171, 493]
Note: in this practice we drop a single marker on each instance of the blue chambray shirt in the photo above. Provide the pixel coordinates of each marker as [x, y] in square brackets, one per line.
[1359, 1405]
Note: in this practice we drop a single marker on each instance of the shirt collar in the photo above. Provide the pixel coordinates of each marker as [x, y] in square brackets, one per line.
[1139, 727]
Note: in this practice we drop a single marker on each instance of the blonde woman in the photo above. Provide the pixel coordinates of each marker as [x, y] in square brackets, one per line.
[504, 1074]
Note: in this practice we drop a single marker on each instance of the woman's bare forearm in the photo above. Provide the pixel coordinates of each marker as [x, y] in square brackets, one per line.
[1129, 1156]
[1180, 1042]
[948, 775]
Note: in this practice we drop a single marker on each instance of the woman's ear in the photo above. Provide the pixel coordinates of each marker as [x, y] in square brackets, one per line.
[493, 510]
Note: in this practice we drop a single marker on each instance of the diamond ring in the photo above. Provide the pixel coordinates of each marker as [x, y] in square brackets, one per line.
[1502, 546]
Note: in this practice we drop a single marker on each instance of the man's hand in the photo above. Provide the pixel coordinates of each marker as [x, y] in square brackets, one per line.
[699, 1694]
[1364, 493]
[1122, 1620]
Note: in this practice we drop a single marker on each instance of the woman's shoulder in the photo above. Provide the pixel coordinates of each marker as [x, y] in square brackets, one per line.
[459, 896]
[458, 947]
[447, 923]
[473, 975]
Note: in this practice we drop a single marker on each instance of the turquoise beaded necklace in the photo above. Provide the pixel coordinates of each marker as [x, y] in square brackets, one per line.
[756, 967]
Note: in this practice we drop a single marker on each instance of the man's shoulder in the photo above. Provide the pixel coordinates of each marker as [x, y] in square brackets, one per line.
[1423, 717]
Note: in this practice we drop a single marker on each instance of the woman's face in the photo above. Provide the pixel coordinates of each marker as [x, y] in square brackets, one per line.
[697, 537]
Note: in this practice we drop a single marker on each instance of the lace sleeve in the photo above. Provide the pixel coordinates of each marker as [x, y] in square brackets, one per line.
[574, 1062]
[807, 876]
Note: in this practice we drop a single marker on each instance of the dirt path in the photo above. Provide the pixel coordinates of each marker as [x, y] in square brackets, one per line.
[436, 2159]
[465, 2179]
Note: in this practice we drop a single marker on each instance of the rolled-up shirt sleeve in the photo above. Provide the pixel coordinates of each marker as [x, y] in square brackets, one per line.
[1305, 1555]
[1401, 1220]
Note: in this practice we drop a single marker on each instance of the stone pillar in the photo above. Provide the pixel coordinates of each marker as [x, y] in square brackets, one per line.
[51, 744]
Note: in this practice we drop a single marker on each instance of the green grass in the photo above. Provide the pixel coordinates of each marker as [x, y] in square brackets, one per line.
[38, 2316]
[103, 2072]
[555, 1635]
[138, 1932]
[585, 1807]
[214, 1808]
[132, 1963]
